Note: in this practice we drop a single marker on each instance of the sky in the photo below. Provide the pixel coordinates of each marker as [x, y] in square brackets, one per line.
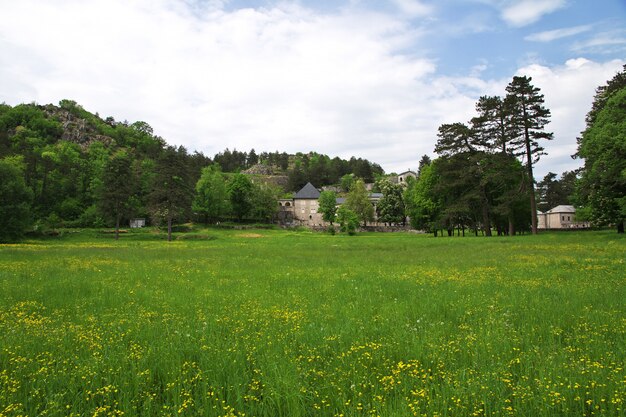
[365, 78]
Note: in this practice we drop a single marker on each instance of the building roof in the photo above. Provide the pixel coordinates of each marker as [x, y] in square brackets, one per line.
[408, 172]
[340, 200]
[376, 195]
[562, 209]
[308, 192]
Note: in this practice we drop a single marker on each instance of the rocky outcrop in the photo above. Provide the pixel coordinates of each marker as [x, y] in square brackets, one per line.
[76, 129]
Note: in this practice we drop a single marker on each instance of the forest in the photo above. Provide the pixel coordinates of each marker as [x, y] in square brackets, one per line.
[62, 166]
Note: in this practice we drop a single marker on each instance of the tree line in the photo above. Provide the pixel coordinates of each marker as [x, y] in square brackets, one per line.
[483, 176]
[64, 166]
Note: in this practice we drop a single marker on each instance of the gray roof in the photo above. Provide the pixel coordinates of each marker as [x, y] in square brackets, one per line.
[376, 195]
[308, 192]
[562, 209]
[340, 200]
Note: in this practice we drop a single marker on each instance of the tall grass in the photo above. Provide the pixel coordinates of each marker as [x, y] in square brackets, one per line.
[275, 323]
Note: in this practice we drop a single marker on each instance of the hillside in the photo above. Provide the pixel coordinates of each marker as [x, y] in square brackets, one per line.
[62, 151]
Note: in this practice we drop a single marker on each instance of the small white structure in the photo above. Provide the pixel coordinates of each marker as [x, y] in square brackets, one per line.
[137, 223]
[560, 217]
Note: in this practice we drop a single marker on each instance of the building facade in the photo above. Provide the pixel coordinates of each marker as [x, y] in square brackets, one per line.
[560, 217]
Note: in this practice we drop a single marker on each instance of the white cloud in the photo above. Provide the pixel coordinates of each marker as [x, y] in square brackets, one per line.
[603, 42]
[525, 12]
[551, 35]
[413, 8]
[279, 78]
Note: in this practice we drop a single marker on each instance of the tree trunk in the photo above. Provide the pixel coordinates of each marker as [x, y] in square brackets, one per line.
[511, 227]
[485, 212]
[529, 167]
[169, 228]
[117, 227]
[620, 227]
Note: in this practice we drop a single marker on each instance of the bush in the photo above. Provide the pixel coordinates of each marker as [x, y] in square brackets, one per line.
[348, 220]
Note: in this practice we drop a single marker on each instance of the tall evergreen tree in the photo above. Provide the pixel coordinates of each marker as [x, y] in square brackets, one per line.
[118, 186]
[171, 189]
[529, 118]
[492, 125]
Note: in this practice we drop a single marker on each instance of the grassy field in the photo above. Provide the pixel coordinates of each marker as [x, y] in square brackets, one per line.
[278, 323]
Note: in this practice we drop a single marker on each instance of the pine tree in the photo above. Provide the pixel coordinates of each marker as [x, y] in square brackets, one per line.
[118, 186]
[171, 189]
[528, 119]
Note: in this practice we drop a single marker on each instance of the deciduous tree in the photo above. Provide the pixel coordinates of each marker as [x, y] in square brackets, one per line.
[358, 201]
[240, 195]
[391, 206]
[211, 199]
[603, 146]
[328, 206]
[15, 200]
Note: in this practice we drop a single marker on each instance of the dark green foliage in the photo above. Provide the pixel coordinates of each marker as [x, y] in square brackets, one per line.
[478, 182]
[15, 200]
[603, 146]
[328, 206]
[358, 202]
[296, 178]
[422, 203]
[604, 93]
[118, 186]
[348, 220]
[553, 191]
[391, 206]
[240, 191]
[528, 118]
[425, 161]
[211, 200]
[172, 191]
[264, 203]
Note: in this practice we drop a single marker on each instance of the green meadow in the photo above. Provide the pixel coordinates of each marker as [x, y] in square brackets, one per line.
[294, 323]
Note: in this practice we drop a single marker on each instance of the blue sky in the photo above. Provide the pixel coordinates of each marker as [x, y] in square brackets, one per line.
[358, 77]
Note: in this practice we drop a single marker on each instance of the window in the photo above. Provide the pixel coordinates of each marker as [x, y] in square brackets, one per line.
[287, 204]
[562, 218]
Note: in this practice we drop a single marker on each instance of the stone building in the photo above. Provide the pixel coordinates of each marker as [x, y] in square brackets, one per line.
[560, 217]
[303, 208]
[405, 175]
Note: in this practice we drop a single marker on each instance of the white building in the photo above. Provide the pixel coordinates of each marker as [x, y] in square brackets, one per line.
[560, 217]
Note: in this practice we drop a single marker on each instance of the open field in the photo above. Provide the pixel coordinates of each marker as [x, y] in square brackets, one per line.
[276, 323]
